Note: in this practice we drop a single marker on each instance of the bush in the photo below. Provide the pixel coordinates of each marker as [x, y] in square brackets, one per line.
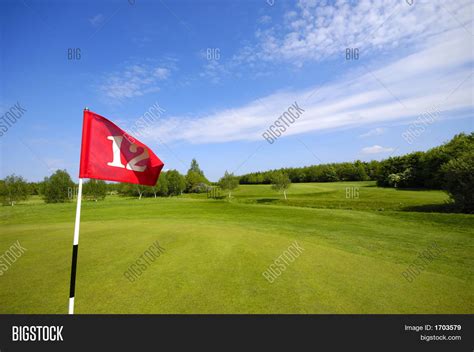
[200, 188]
[161, 187]
[281, 182]
[56, 187]
[228, 182]
[459, 181]
[95, 189]
[13, 189]
[176, 182]
[195, 178]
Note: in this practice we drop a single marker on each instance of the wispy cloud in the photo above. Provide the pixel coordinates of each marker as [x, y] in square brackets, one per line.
[373, 132]
[97, 20]
[56, 164]
[436, 74]
[214, 71]
[134, 80]
[264, 19]
[376, 149]
[318, 29]
[161, 73]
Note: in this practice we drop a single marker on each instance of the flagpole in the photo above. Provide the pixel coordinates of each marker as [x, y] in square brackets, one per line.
[75, 245]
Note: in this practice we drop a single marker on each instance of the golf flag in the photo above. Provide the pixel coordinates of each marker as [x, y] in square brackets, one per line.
[109, 153]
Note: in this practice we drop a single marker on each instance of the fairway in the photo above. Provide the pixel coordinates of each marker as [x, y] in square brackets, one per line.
[215, 251]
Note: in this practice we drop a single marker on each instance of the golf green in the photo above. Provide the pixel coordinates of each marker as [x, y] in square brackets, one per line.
[356, 240]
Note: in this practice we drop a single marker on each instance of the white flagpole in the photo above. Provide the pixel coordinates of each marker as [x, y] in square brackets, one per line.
[75, 245]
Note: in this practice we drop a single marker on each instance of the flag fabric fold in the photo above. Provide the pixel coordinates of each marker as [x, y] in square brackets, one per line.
[109, 153]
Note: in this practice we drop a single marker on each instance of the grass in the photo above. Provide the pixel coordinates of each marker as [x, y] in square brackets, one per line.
[355, 251]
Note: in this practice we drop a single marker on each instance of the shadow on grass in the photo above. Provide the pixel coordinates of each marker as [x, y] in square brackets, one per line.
[416, 189]
[267, 200]
[420, 189]
[218, 197]
[433, 208]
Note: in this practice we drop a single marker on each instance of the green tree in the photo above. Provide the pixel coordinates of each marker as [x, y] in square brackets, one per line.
[34, 188]
[373, 169]
[229, 182]
[95, 189]
[401, 179]
[361, 173]
[113, 188]
[195, 178]
[176, 182]
[459, 181]
[126, 189]
[162, 185]
[141, 190]
[425, 167]
[56, 187]
[195, 167]
[132, 190]
[14, 189]
[280, 182]
[393, 180]
[328, 174]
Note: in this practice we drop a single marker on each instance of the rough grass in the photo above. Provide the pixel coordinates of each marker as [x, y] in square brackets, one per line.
[216, 250]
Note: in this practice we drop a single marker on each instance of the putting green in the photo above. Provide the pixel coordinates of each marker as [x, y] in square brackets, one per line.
[216, 251]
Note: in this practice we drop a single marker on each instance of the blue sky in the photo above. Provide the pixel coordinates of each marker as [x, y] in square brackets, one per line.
[414, 60]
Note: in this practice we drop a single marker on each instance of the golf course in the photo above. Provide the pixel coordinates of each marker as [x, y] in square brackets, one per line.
[357, 240]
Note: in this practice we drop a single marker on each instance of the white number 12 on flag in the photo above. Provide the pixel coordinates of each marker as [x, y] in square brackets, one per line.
[132, 164]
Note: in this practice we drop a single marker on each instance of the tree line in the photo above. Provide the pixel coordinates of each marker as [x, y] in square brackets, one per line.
[59, 187]
[449, 166]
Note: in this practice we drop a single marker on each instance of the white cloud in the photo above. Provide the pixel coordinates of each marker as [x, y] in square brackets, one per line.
[374, 132]
[214, 71]
[97, 20]
[316, 30]
[376, 149]
[55, 164]
[264, 19]
[437, 74]
[133, 80]
[161, 73]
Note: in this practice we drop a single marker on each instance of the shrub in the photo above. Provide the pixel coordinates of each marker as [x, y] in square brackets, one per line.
[56, 187]
[95, 189]
[459, 181]
[13, 189]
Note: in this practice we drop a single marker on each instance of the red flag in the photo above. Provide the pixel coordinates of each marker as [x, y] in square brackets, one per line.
[109, 153]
